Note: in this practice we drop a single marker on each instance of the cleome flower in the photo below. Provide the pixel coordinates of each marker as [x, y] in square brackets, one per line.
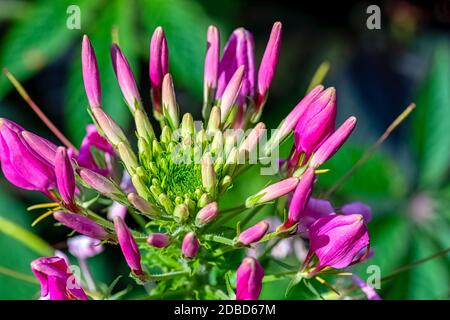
[174, 177]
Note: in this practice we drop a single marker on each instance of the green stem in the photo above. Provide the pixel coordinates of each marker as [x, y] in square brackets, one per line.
[18, 275]
[219, 239]
[366, 156]
[165, 276]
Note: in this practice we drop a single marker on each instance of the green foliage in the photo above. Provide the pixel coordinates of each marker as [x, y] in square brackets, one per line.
[16, 278]
[379, 178]
[432, 120]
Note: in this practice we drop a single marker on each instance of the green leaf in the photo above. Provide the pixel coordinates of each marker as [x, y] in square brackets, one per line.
[118, 14]
[432, 120]
[25, 237]
[38, 38]
[185, 25]
[16, 278]
[428, 280]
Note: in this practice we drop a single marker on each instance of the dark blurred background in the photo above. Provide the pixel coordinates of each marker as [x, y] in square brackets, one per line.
[377, 73]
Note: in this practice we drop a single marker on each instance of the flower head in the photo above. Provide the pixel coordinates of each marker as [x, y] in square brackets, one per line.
[337, 241]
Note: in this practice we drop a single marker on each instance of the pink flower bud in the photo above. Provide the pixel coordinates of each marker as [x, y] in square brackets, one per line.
[190, 245]
[207, 214]
[333, 143]
[211, 62]
[272, 192]
[81, 224]
[249, 277]
[20, 164]
[40, 146]
[128, 245]
[125, 78]
[158, 67]
[268, 65]
[91, 77]
[301, 197]
[288, 124]
[230, 93]
[98, 182]
[253, 234]
[337, 241]
[65, 177]
[57, 282]
[158, 240]
[110, 129]
[316, 123]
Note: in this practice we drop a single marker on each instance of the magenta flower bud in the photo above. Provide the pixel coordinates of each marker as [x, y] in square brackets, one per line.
[42, 147]
[98, 182]
[84, 247]
[358, 208]
[253, 234]
[239, 51]
[288, 124]
[316, 123]
[301, 197]
[20, 164]
[128, 245]
[65, 177]
[369, 291]
[333, 143]
[207, 214]
[91, 77]
[231, 93]
[272, 192]
[268, 65]
[211, 63]
[56, 280]
[190, 245]
[249, 277]
[158, 67]
[338, 241]
[125, 78]
[158, 240]
[81, 224]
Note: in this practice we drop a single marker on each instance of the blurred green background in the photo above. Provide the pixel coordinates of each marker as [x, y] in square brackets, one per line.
[377, 73]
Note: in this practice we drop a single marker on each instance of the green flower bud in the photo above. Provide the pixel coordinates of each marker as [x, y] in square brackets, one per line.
[181, 213]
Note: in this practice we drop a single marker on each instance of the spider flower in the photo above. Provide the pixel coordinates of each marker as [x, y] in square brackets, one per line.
[337, 241]
[249, 277]
[57, 282]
